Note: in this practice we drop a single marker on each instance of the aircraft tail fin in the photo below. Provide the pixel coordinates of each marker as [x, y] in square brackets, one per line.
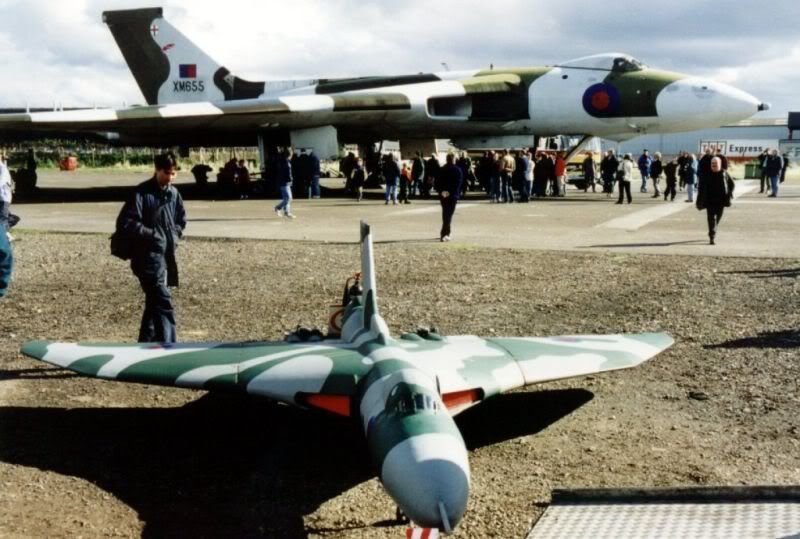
[168, 67]
[363, 321]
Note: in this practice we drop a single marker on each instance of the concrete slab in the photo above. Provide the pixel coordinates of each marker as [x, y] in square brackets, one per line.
[755, 226]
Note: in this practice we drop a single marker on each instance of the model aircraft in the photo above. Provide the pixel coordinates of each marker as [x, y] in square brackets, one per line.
[404, 391]
[192, 101]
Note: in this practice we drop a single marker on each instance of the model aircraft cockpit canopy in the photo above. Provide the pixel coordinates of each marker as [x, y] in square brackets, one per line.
[611, 61]
[410, 401]
[626, 64]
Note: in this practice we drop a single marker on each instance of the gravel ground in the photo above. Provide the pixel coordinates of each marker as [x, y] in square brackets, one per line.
[87, 458]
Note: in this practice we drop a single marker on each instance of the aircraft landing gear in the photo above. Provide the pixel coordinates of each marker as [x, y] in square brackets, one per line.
[400, 516]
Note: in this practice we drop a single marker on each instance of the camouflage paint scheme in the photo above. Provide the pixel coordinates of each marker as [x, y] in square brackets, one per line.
[404, 390]
[193, 99]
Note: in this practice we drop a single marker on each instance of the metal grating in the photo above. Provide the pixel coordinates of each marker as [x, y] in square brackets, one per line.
[746, 512]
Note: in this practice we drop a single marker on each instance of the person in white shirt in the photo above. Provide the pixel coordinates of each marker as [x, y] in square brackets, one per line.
[5, 194]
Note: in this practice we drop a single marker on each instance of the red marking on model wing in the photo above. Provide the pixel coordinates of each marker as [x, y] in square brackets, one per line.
[458, 400]
[337, 404]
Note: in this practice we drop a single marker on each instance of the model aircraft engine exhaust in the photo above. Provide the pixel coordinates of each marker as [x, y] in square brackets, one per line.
[405, 391]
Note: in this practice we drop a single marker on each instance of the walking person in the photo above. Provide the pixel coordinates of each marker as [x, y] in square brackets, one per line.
[773, 168]
[671, 173]
[357, 178]
[762, 165]
[683, 160]
[656, 169]
[6, 264]
[5, 197]
[314, 171]
[405, 184]
[589, 171]
[284, 178]
[624, 176]
[524, 171]
[391, 173]
[153, 220]
[529, 175]
[608, 171]
[541, 174]
[714, 194]
[508, 166]
[689, 176]
[645, 163]
[785, 158]
[560, 171]
[417, 175]
[448, 185]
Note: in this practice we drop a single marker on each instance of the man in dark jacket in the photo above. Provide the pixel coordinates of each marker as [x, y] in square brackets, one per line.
[417, 175]
[588, 171]
[431, 173]
[714, 194]
[671, 173]
[154, 219]
[656, 168]
[762, 164]
[608, 170]
[314, 172]
[284, 179]
[448, 185]
[773, 168]
[645, 162]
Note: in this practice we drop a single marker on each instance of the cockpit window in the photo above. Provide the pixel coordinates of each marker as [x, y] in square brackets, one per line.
[412, 403]
[626, 65]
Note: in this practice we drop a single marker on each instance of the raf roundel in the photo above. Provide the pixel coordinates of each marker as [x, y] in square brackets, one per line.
[601, 100]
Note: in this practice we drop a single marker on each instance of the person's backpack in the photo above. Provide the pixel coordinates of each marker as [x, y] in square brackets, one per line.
[121, 245]
[621, 176]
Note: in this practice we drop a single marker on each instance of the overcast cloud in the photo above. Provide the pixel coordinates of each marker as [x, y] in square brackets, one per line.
[61, 52]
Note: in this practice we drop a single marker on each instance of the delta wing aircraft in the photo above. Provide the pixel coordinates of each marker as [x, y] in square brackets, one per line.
[193, 100]
[404, 391]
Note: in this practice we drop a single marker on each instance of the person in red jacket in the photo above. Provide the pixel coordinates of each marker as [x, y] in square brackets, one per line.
[561, 175]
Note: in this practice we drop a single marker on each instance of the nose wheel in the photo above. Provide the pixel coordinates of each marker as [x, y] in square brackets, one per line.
[400, 516]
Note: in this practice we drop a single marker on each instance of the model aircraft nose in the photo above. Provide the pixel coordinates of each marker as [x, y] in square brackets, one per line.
[694, 103]
[428, 476]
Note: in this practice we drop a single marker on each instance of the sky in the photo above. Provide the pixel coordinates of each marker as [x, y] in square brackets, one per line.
[61, 53]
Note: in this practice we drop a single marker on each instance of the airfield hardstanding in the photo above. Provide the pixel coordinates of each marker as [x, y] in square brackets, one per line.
[404, 391]
[194, 101]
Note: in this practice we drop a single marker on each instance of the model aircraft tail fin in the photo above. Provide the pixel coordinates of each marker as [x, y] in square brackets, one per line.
[168, 67]
[362, 320]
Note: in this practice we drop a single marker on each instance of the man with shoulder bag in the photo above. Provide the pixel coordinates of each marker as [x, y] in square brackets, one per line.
[152, 221]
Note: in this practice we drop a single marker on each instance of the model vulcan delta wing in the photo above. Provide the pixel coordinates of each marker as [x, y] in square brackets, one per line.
[404, 391]
[194, 101]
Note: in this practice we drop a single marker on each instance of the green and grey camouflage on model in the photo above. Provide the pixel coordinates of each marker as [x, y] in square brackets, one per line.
[193, 100]
[404, 391]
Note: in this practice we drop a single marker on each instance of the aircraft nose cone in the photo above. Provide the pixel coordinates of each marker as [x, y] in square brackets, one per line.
[695, 103]
[428, 476]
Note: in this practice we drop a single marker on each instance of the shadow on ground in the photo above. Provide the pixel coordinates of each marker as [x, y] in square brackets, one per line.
[652, 244]
[233, 466]
[791, 273]
[789, 338]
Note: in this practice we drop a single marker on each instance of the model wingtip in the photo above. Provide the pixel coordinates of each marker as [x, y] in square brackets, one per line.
[35, 349]
[661, 341]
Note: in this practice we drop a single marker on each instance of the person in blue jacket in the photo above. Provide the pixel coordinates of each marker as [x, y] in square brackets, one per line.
[645, 162]
[153, 219]
[6, 263]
